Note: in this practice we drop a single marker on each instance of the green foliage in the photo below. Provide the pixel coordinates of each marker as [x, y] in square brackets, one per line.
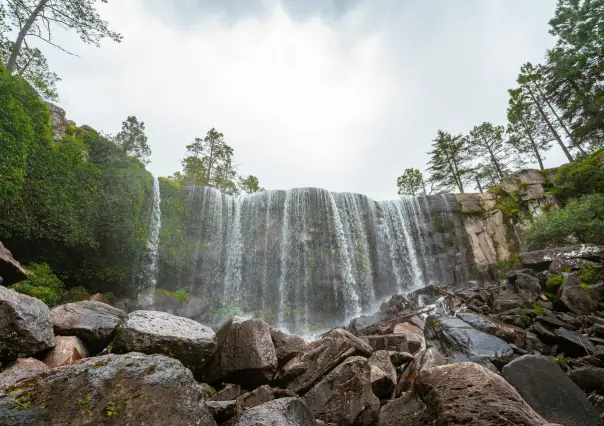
[78, 294]
[581, 177]
[181, 296]
[448, 163]
[133, 140]
[580, 221]
[539, 310]
[41, 283]
[589, 273]
[487, 146]
[111, 410]
[561, 360]
[585, 286]
[554, 281]
[511, 263]
[410, 183]
[250, 184]
[508, 204]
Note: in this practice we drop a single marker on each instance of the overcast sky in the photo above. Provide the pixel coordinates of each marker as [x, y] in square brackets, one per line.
[339, 94]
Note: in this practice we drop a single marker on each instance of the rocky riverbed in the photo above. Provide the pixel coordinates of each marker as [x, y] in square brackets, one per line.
[522, 351]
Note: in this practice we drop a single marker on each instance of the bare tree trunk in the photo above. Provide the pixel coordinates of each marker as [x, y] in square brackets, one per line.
[494, 160]
[478, 184]
[533, 144]
[14, 55]
[551, 127]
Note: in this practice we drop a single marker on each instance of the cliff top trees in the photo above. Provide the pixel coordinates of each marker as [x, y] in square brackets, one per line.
[487, 142]
[37, 19]
[448, 161]
[411, 183]
[250, 184]
[133, 140]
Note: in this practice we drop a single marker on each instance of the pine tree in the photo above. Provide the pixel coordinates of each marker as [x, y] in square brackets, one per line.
[448, 165]
[133, 140]
[411, 182]
[487, 146]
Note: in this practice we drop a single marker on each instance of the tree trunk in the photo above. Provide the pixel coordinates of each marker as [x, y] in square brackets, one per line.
[494, 160]
[533, 144]
[550, 126]
[14, 55]
[478, 184]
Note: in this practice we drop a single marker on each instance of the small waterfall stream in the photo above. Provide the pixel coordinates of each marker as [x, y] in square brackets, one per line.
[306, 259]
[150, 268]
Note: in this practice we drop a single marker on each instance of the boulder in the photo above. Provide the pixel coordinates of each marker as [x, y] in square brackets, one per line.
[112, 389]
[408, 410]
[58, 121]
[425, 360]
[93, 322]
[578, 299]
[228, 392]
[320, 357]
[256, 397]
[469, 394]
[22, 369]
[25, 326]
[11, 271]
[383, 374]
[400, 358]
[573, 344]
[506, 332]
[559, 266]
[222, 411]
[152, 332]
[541, 259]
[461, 342]
[393, 342]
[550, 392]
[344, 396]
[281, 412]
[286, 346]
[67, 350]
[245, 354]
[521, 291]
[590, 378]
[412, 333]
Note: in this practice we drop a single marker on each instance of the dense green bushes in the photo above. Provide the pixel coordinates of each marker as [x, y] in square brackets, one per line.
[581, 177]
[580, 221]
[41, 283]
[81, 205]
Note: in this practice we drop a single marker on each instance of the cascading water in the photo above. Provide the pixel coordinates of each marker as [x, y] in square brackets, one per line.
[306, 259]
[150, 269]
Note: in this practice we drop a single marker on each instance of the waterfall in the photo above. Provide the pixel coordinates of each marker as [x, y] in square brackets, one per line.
[306, 259]
[150, 269]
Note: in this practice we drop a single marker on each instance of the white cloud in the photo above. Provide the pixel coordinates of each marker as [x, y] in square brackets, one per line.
[345, 106]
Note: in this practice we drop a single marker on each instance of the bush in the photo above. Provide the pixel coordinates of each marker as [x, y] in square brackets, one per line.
[581, 177]
[78, 294]
[41, 283]
[554, 281]
[580, 221]
[589, 273]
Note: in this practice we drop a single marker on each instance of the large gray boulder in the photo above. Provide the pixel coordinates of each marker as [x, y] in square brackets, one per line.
[579, 299]
[541, 259]
[461, 342]
[93, 322]
[21, 369]
[286, 345]
[281, 412]
[109, 390]
[383, 374]
[469, 394]
[320, 357]
[545, 387]
[408, 410]
[345, 396]
[25, 326]
[590, 378]
[152, 332]
[245, 354]
[424, 360]
[522, 290]
[11, 271]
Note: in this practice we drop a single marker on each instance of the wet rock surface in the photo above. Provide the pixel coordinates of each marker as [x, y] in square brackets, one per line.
[93, 322]
[67, 350]
[161, 333]
[286, 346]
[25, 325]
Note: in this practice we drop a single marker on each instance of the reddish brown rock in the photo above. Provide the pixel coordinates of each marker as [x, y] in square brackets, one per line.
[67, 350]
[424, 360]
[22, 369]
[98, 297]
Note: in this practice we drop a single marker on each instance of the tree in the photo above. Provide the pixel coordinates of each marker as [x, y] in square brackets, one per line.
[133, 140]
[411, 183]
[575, 77]
[38, 18]
[527, 133]
[250, 184]
[448, 163]
[487, 145]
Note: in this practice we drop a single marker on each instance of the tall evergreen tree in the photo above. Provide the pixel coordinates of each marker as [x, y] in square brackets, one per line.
[448, 165]
[487, 145]
[133, 140]
[411, 182]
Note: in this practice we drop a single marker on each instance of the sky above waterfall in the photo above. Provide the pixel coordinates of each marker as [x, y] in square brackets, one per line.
[338, 94]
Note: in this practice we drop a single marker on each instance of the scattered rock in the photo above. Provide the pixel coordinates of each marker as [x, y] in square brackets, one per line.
[22, 369]
[412, 333]
[546, 388]
[245, 354]
[130, 389]
[469, 394]
[506, 332]
[67, 350]
[590, 378]
[543, 258]
[222, 411]
[344, 396]
[281, 412]
[408, 410]
[400, 358]
[286, 346]
[573, 344]
[320, 357]
[554, 322]
[93, 322]
[228, 392]
[25, 326]
[152, 332]
[522, 291]
[383, 374]
[425, 360]
[256, 397]
[10, 270]
[576, 298]
[393, 342]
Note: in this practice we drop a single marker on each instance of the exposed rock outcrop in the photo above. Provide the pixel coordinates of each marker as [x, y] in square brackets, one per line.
[383, 374]
[11, 271]
[93, 322]
[153, 332]
[25, 325]
[286, 345]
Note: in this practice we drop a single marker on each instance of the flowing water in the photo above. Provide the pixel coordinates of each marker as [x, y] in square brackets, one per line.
[306, 259]
[150, 267]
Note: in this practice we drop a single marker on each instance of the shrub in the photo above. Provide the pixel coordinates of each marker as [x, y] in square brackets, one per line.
[581, 177]
[41, 283]
[78, 294]
[580, 221]
[181, 296]
[589, 273]
[554, 281]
